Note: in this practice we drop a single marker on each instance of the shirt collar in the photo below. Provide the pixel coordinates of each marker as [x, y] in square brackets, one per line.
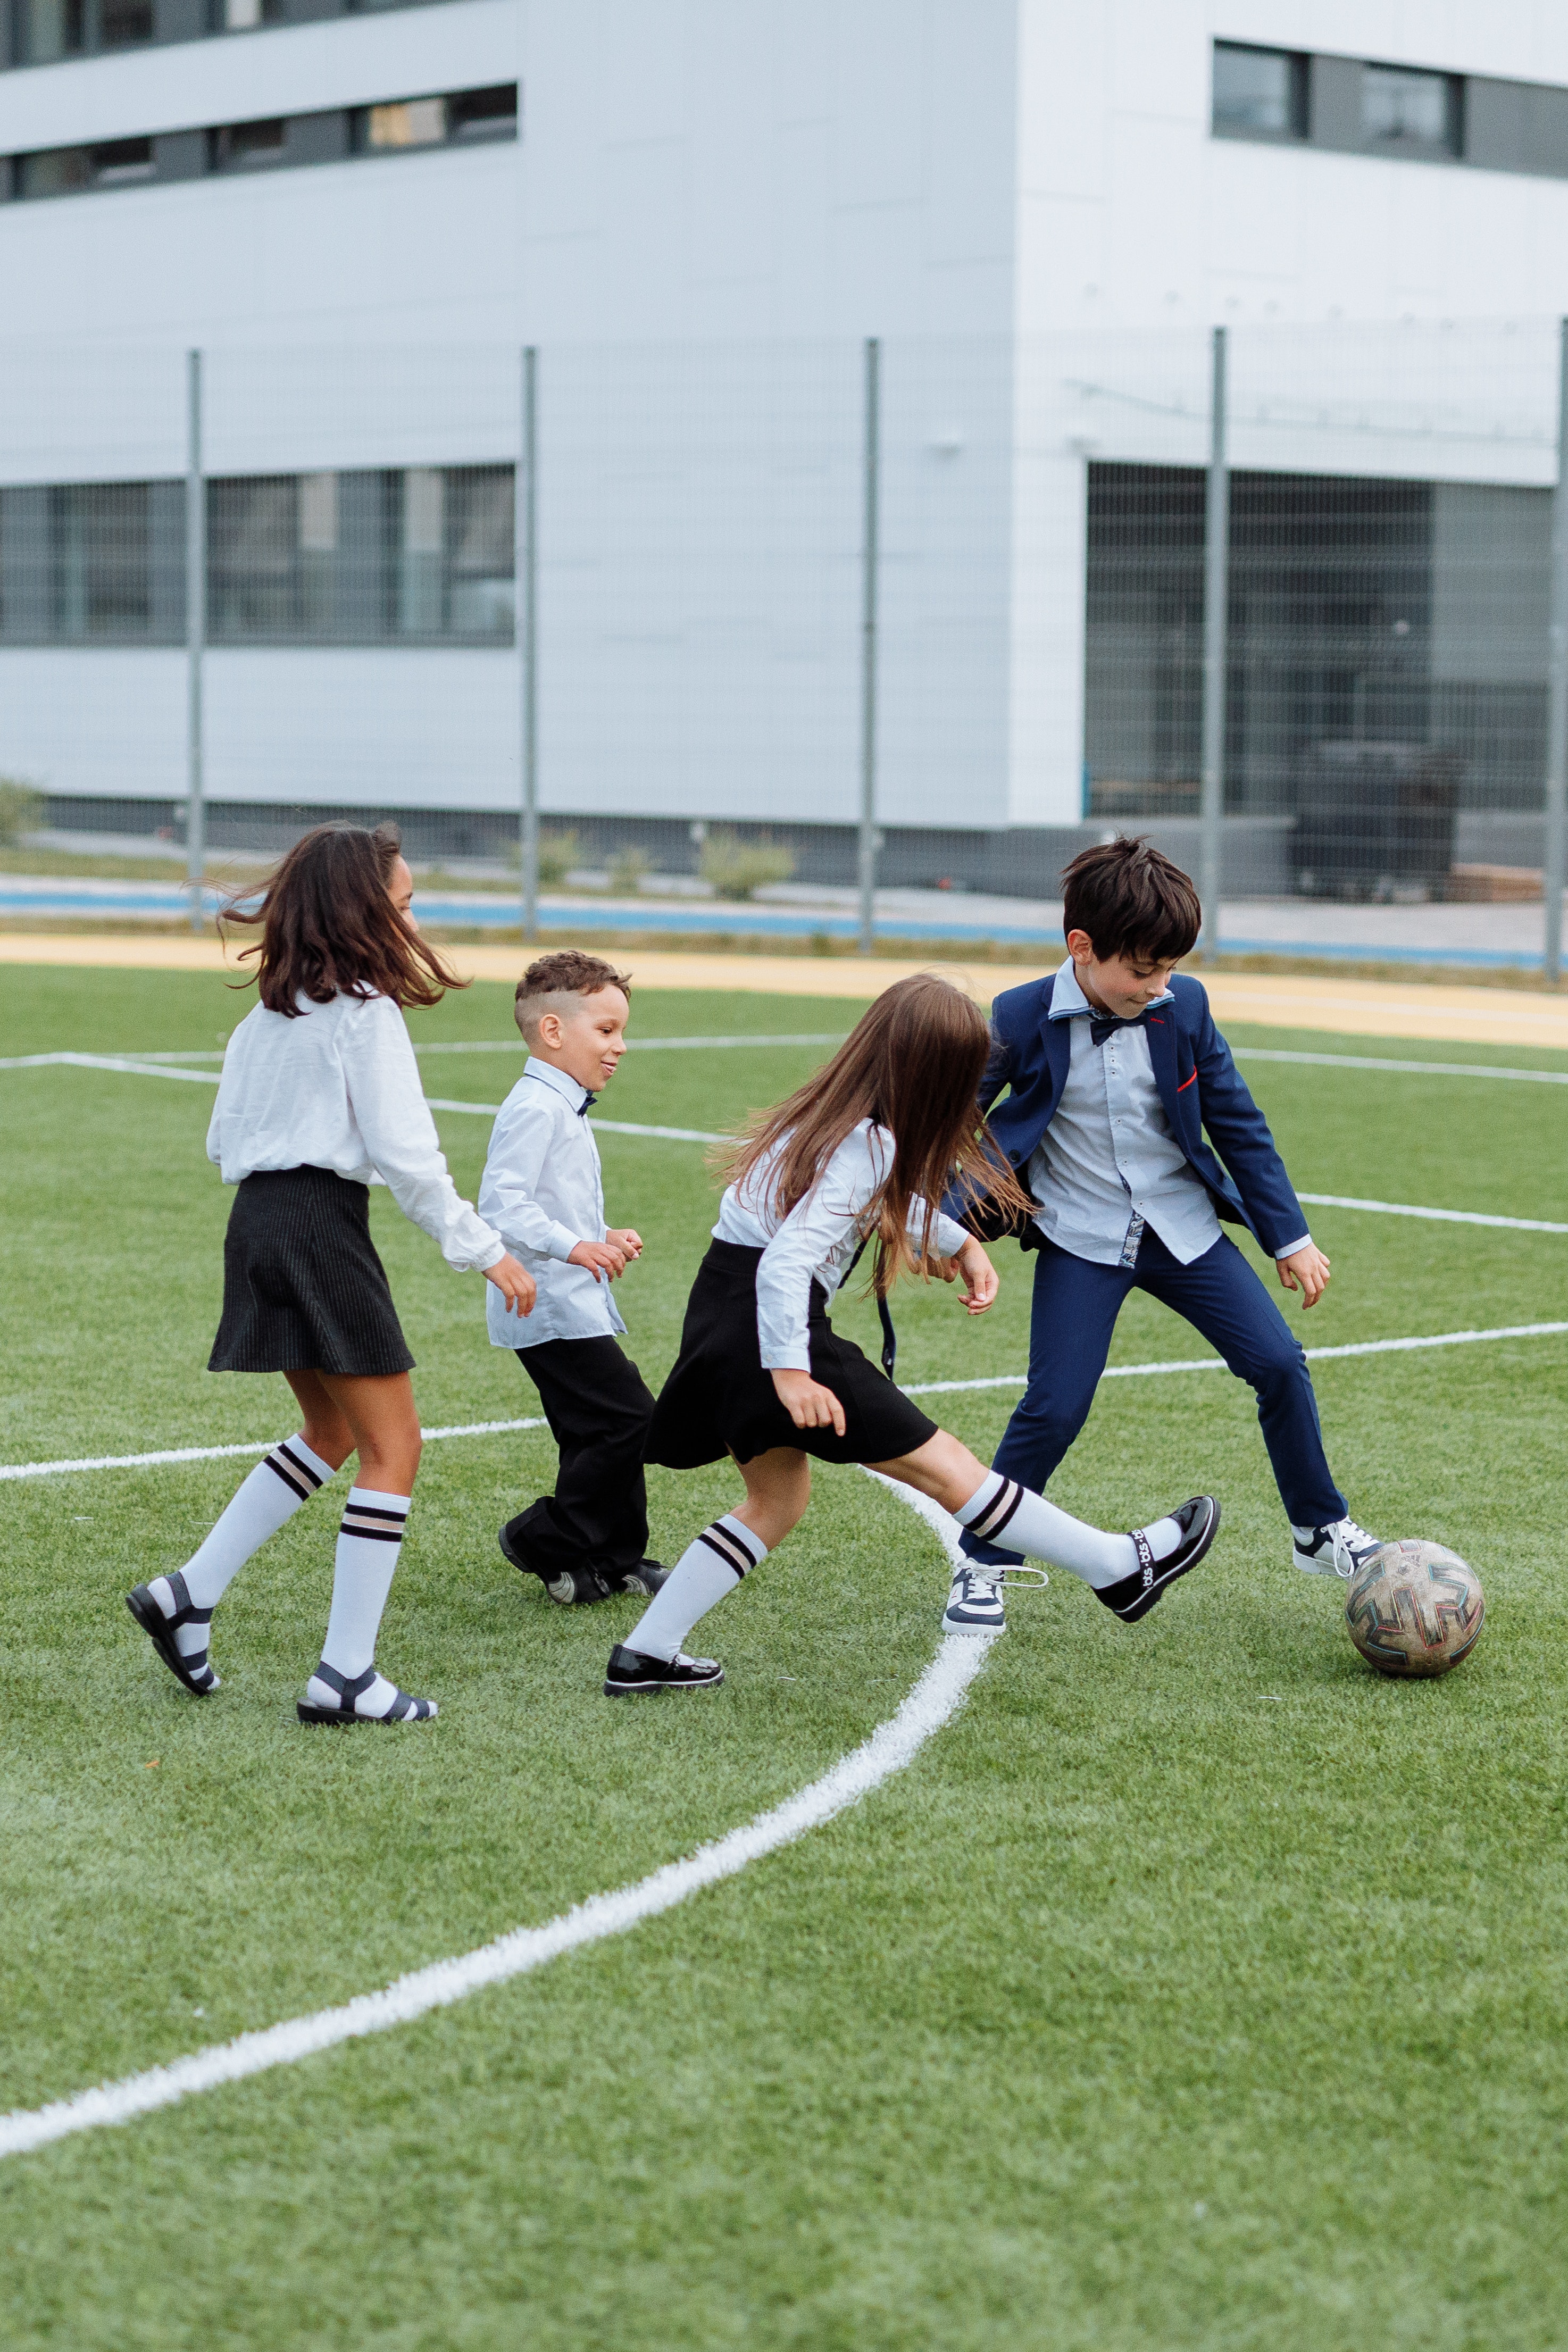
[1067, 996]
[564, 1083]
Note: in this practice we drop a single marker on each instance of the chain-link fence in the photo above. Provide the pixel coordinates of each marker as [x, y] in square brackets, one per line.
[960, 611]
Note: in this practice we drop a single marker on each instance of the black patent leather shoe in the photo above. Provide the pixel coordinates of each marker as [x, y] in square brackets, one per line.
[629, 1674]
[1133, 1596]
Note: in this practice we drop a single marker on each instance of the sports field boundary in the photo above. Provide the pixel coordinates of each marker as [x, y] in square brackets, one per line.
[252, 1446]
[167, 1066]
[933, 1701]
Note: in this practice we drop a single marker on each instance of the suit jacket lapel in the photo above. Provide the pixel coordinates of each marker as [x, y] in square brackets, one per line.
[1057, 1042]
[1160, 1030]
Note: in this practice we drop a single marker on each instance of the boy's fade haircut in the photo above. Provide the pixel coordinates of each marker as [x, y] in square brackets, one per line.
[1132, 900]
[551, 981]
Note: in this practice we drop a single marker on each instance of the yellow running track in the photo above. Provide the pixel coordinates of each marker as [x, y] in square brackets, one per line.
[1354, 1008]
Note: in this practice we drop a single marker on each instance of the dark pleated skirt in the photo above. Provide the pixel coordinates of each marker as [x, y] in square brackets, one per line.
[304, 1289]
[719, 1400]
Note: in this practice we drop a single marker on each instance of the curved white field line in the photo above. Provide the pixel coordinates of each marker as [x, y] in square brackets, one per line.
[934, 1700]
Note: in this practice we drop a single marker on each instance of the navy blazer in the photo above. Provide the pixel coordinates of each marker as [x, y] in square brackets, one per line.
[1199, 1084]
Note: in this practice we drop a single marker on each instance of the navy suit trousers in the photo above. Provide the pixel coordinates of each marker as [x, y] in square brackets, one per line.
[1074, 1311]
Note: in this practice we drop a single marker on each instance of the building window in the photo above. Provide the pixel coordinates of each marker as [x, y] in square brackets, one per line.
[1259, 93]
[466, 115]
[47, 30]
[1403, 109]
[65, 170]
[92, 560]
[360, 557]
[246, 146]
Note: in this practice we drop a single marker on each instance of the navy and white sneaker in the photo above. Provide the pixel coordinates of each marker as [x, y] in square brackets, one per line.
[974, 1604]
[1337, 1550]
[1133, 1596]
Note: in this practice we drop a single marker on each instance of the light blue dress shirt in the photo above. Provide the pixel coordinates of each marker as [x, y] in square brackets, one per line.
[1108, 1164]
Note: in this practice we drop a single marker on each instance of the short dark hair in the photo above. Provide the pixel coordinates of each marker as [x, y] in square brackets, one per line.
[1132, 900]
[329, 926]
[569, 971]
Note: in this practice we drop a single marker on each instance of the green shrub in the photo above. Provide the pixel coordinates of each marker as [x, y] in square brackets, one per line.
[737, 868]
[627, 868]
[557, 856]
[21, 811]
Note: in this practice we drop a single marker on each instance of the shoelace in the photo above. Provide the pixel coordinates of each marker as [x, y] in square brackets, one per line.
[979, 1583]
[1348, 1537]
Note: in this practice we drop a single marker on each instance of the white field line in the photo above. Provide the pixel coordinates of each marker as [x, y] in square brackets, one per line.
[934, 1700]
[701, 1135]
[1419, 1069]
[226, 1453]
[1442, 1216]
[1216, 1364]
[637, 1045]
[919, 1388]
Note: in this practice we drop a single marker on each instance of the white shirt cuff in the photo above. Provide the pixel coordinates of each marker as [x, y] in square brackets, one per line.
[1292, 1247]
[562, 1243]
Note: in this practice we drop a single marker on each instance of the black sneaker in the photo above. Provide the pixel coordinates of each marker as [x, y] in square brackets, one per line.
[630, 1672]
[574, 1588]
[646, 1577]
[1133, 1596]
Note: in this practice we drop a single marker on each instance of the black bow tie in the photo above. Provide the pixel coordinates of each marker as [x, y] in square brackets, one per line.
[1101, 1026]
[586, 1105]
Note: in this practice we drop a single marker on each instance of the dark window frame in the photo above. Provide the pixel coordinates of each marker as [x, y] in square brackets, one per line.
[1296, 63]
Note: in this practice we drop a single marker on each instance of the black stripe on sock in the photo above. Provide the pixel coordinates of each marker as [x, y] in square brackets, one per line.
[733, 1555]
[371, 1535]
[1012, 1496]
[303, 1467]
[374, 1511]
[293, 1473]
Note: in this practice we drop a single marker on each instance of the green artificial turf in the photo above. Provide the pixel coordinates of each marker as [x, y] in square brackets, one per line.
[1193, 1987]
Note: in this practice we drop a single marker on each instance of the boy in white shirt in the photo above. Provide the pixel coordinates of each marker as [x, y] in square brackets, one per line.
[544, 1192]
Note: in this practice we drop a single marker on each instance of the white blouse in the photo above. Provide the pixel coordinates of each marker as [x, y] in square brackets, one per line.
[819, 1238]
[337, 1088]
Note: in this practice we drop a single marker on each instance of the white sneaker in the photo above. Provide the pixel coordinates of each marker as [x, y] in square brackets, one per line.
[974, 1603]
[1337, 1550]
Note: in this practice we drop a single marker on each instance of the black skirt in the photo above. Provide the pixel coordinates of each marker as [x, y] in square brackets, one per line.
[718, 1399]
[304, 1289]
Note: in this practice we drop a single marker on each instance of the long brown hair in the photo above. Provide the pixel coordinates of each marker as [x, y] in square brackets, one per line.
[913, 1063]
[329, 926]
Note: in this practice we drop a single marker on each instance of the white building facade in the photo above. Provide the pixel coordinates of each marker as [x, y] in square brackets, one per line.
[697, 213]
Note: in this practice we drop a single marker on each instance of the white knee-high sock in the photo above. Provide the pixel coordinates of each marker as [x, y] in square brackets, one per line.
[706, 1571]
[369, 1542]
[274, 1491]
[1015, 1518]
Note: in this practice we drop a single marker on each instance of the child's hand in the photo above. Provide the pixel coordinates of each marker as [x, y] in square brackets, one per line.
[979, 1276]
[603, 1259]
[622, 1237]
[515, 1283]
[1308, 1272]
[808, 1404]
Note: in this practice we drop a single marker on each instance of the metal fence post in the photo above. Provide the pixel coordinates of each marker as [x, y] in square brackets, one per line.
[1555, 866]
[1216, 568]
[525, 566]
[195, 636]
[869, 552]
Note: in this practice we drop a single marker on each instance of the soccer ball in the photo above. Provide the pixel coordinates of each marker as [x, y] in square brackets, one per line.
[1415, 1609]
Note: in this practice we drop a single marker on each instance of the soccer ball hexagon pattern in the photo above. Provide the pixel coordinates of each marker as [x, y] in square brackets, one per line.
[1415, 1609]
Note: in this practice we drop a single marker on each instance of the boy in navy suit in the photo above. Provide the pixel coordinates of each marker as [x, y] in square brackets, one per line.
[1115, 1068]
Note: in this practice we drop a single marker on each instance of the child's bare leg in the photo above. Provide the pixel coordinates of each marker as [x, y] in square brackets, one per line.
[778, 1489]
[1013, 1517]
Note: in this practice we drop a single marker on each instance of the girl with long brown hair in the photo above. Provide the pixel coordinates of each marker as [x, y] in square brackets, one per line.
[859, 1155]
[320, 1097]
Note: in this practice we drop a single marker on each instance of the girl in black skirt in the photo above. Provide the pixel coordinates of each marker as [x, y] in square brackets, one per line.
[856, 1154]
[320, 1097]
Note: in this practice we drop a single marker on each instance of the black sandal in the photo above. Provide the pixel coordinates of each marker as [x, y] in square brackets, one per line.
[403, 1709]
[194, 1671]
